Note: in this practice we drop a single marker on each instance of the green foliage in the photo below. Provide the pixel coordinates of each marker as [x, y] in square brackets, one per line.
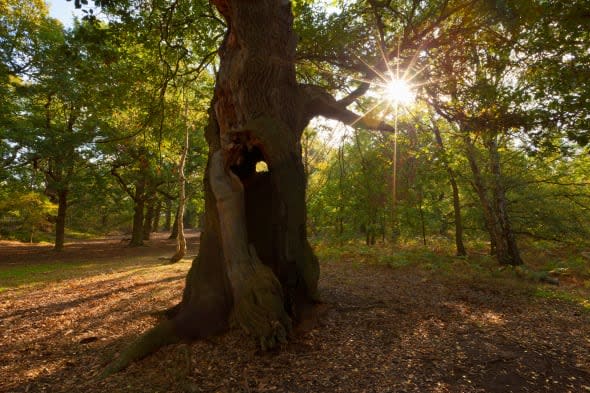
[24, 214]
[111, 96]
[80, 103]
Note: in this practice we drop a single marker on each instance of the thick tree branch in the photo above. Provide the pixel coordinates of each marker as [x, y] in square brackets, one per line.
[378, 23]
[122, 182]
[321, 103]
[355, 94]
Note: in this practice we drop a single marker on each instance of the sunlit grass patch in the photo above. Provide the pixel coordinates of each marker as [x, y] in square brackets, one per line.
[30, 275]
[70, 233]
[546, 265]
[437, 255]
[22, 276]
[565, 295]
[48, 238]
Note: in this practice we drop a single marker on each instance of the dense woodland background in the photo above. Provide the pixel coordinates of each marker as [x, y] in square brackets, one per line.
[93, 119]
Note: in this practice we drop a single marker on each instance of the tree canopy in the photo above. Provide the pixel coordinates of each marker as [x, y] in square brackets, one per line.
[390, 121]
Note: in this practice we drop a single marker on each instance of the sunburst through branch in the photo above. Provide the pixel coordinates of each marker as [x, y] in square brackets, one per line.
[399, 91]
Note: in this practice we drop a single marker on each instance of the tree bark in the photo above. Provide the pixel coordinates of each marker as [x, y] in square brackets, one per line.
[421, 214]
[510, 253]
[340, 231]
[147, 219]
[138, 208]
[174, 231]
[157, 214]
[460, 246]
[502, 241]
[254, 261]
[168, 215]
[180, 239]
[60, 220]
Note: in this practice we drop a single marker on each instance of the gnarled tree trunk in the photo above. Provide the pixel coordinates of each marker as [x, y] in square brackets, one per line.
[270, 268]
[254, 261]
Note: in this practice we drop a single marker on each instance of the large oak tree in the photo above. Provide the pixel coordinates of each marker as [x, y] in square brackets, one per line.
[255, 263]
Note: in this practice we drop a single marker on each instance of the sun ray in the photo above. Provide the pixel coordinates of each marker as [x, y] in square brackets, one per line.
[363, 115]
[417, 73]
[411, 64]
[386, 62]
[379, 74]
[426, 83]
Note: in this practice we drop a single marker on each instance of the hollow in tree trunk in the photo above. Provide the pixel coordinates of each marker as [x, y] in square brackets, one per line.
[254, 262]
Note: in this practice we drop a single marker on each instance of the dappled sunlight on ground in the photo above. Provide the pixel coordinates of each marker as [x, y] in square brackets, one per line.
[479, 317]
[379, 329]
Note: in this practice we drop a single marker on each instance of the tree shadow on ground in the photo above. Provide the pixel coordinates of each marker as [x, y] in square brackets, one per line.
[378, 330]
[59, 307]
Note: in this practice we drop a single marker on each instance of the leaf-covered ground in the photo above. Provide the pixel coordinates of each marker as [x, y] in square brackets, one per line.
[380, 329]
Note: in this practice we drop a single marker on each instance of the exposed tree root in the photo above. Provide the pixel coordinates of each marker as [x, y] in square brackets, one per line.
[259, 309]
[177, 256]
[154, 339]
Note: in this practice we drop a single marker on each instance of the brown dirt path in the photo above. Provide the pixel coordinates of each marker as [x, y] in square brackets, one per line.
[379, 330]
[16, 253]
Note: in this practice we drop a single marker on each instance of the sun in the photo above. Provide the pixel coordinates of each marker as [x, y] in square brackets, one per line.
[398, 91]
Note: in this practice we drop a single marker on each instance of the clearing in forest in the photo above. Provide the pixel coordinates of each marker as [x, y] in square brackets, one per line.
[412, 328]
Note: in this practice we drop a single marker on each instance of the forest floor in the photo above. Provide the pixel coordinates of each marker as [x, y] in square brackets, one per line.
[433, 323]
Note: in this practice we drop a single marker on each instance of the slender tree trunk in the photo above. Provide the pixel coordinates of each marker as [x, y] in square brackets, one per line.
[502, 241]
[168, 215]
[421, 213]
[148, 219]
[460, 246]
[180, 240]
[174, 231]
[341, 192]
[60, 220]
[511, 253]
[138, 208]
[482, 192]
[156, 218]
